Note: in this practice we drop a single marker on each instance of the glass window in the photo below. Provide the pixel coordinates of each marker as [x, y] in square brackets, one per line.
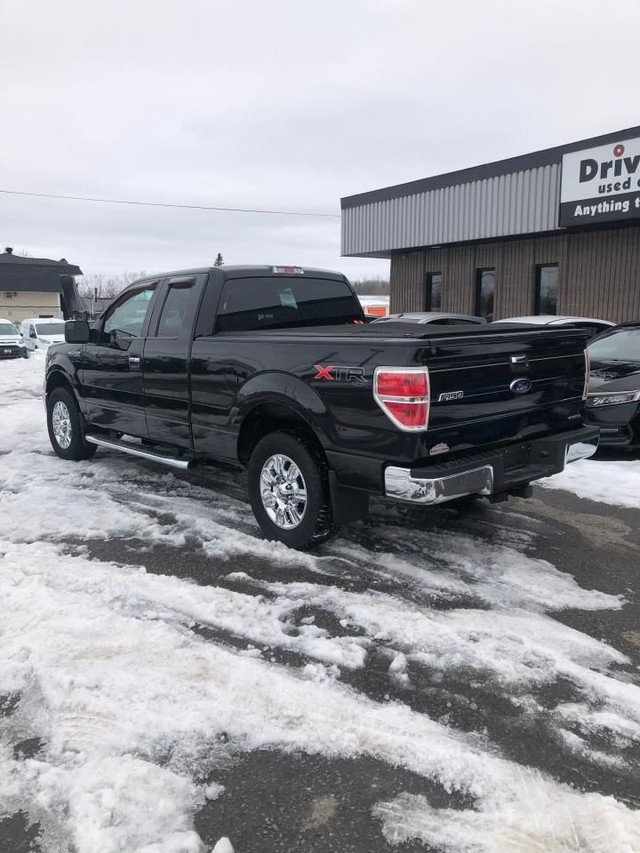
[485, 287]
[623, 345]
[247, 304]
[7, 328]
[45, 329]
[126, 318]
[434, 291]
[174, 309]
[546, 298]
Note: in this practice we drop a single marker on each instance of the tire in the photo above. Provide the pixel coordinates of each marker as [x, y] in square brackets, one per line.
[279, 521]
[66, 426]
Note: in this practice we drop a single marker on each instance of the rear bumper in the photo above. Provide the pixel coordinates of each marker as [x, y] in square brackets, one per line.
[487, 474]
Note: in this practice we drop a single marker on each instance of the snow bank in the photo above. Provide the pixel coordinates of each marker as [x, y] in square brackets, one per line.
[616, 483]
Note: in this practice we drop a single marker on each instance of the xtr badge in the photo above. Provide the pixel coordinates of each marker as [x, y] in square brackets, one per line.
[337, 373]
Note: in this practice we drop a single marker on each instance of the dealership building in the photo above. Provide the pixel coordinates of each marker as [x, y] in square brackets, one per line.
[552, 232]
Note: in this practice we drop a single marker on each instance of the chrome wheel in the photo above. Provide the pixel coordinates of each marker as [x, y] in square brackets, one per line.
[61, 424]
[283, 491]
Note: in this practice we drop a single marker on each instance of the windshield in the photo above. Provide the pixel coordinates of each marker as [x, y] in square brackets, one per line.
[45, 330]
[618, 346]
[8, 329]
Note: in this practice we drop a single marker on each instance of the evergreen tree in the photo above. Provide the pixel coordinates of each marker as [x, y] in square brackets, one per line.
[219, 261]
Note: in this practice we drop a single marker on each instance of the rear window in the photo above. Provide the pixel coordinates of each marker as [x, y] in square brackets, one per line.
[249, 304]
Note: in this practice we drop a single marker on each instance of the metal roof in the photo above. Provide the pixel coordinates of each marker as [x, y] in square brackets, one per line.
[519, 195]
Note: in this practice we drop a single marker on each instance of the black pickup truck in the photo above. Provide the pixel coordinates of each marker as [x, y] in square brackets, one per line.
[276, 369]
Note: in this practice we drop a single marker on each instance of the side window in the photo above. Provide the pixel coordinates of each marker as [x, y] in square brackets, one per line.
[485, 287]
[546, 293]
[126, 318]
[174, 309]
[434, 291]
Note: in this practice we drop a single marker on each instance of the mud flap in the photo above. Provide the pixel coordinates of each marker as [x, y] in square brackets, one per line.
[348, 505]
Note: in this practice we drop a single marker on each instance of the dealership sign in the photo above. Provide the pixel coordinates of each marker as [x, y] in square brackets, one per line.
[601, 184]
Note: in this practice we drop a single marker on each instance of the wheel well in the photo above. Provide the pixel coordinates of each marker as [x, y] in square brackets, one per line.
[57, 380]
[266, 418]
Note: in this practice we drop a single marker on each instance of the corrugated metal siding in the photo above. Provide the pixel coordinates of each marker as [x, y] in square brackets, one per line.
[518, 203]
[599, 274]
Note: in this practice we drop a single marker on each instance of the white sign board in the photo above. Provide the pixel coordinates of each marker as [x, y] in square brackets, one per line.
[601, 184]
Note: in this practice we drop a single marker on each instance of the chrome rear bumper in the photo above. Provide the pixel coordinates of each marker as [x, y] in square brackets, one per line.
[442, 483]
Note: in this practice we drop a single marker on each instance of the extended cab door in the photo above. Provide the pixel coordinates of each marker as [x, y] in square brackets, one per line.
[112, 365]
[166, 360]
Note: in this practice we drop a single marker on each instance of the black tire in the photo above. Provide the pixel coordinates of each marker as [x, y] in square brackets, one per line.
[316, 524]
[77, 448]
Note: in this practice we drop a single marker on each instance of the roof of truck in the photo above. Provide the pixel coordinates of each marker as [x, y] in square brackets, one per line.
[246, 271]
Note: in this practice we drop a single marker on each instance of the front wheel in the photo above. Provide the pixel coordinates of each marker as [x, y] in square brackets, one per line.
[289, 490]
[66, 427]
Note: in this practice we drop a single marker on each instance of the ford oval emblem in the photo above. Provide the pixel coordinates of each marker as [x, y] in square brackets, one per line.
[521, 386]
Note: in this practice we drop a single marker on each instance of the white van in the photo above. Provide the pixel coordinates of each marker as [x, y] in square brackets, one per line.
[39, 332]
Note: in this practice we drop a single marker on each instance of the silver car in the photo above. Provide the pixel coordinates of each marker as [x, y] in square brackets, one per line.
[441, 318]
[590, 325]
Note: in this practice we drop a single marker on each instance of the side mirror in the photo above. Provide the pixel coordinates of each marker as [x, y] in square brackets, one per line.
[77, 332]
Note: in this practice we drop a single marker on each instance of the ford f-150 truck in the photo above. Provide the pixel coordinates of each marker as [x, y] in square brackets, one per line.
[275, 369]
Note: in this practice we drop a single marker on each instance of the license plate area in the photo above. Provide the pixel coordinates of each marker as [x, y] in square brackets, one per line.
[517, 456]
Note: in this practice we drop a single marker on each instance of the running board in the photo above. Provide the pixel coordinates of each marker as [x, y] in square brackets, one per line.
[137, 450]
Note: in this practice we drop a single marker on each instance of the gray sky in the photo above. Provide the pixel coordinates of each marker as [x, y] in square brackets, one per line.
[280, 104]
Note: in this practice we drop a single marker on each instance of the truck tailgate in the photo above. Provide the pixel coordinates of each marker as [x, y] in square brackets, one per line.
[515, 386]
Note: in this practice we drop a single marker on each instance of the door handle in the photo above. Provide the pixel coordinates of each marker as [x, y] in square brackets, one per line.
[134, 362]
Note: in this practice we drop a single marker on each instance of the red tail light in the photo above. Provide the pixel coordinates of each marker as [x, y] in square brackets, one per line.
[403, 395]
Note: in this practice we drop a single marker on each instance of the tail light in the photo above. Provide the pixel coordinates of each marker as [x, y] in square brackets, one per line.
[587, 371]
[287, 270]
[403, 395]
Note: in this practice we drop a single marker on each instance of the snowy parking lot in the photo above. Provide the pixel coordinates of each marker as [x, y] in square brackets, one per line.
[431, 680]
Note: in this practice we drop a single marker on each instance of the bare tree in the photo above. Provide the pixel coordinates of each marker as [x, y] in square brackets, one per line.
[371, 286]
[107, 286]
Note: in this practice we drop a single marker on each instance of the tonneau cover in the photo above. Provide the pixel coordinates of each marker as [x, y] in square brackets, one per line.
[419, 331]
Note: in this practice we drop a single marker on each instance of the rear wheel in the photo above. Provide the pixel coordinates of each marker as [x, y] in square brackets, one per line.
[66, 426]
[289, 490]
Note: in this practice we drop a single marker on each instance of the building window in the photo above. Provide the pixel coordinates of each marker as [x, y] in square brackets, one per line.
[485, 287]
[434, 291]
[546, 296]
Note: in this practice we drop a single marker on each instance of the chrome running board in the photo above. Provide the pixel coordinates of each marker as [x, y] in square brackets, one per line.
[138, 450]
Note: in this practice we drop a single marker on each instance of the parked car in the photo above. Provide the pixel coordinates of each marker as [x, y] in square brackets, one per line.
[11, 342]
[613, 401]
[589, 325]
[440, 318]
[273, 368]
[39, 332]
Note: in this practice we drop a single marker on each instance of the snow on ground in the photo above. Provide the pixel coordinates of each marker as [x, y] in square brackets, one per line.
[138, 684]
[610, 482]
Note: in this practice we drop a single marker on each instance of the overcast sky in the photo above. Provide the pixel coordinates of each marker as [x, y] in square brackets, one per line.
[280, 104]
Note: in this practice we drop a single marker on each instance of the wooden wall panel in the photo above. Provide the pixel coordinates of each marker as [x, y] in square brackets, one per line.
[599, 274]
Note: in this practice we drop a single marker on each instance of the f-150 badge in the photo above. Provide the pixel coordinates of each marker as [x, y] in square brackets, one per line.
[450, 395]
